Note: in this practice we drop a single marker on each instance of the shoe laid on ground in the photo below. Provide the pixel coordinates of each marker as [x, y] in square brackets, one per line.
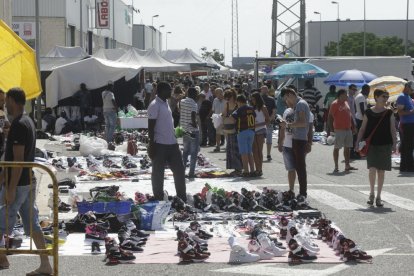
[95, 233]
[371, 199]
[269, 246]
[298, 254]
[378, 202]
[130, 245]
[269, 158]
[283, 223]
[188, 254]
[255, 248]
[239, 255]
[139, 233]
[217, 149]
[96, 248]
[120, 257]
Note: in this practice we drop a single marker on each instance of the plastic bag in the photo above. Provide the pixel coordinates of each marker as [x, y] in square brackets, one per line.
[153, 214]
[132, 112]
[217, 120]
[92, 146]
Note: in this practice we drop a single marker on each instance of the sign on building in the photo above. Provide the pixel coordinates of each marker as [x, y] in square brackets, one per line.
[102, 14]
[26, 30]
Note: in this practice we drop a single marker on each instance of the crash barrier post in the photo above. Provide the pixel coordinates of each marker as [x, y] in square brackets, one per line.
[55, 246]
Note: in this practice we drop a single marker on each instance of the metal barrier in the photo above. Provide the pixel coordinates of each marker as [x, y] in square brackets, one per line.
[55, 247]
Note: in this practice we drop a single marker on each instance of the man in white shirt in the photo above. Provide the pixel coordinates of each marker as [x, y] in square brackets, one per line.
[218, 108]
[60, 123]
[361, 105]
[110, 110]
[206, 91]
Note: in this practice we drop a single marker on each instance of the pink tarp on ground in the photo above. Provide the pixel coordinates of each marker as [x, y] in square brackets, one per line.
[163, 250]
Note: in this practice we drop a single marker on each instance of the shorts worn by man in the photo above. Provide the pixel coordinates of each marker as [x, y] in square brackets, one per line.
[17, 195]
[163, 147]
[341, 121]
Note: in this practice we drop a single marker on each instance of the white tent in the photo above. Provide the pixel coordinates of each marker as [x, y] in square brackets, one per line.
[151, 61]
[222, 69]
[64, 81]
[66, 52]
[187, 56]
[110, 54]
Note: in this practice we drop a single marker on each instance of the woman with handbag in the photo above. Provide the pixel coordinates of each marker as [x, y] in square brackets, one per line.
[233, 159]
[377, 136]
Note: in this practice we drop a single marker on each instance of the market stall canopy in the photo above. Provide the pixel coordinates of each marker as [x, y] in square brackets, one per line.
[18, 66]
[221, 68]
[47, 64]
[94, 72]
[109, 54]
[297, 69]
[66, 52]
[188, 57]
[348, 77]
[393, 85]
[151, 61]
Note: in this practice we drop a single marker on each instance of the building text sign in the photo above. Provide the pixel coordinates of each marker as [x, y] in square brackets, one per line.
[102, 14]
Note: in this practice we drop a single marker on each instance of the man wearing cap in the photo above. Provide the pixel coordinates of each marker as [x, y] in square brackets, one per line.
[405, 108]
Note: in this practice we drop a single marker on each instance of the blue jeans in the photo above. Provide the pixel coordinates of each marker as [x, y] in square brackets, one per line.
[191, 147]
[110, 124]
[23, 205]
[245, 139]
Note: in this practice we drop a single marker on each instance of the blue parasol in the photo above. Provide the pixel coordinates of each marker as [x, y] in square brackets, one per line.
[348, 77]
[297, 69]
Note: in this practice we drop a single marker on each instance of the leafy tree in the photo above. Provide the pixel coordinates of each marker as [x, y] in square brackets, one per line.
[215, 54]
[351, 44]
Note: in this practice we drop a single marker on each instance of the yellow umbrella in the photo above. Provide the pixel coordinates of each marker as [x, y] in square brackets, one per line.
[393, 85]
[17, 64]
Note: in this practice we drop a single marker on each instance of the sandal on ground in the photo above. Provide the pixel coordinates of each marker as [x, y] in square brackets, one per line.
[254, 174]
[336, 170]
[378, 202]
[371, 199]
[351, 169]
[4, 267]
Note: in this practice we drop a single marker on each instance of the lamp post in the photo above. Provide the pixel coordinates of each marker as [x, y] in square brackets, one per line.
[337, 45]
[153, 29]
[365, 37]
[320, 32]
[160, 36]
[166, 40]
[406, 30]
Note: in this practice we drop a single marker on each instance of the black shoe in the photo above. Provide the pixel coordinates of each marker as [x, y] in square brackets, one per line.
[269, 158]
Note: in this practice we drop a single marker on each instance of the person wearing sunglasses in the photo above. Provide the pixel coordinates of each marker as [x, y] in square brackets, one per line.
[379, 125]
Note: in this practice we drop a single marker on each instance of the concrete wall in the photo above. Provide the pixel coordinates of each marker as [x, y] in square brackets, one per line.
[146, 37]
[6, 11]
[380, 28]
[52, 31]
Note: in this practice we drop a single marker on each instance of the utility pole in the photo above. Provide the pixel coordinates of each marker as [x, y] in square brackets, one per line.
[234, 29]
[80, 24]
[274, 28]
[37, 43]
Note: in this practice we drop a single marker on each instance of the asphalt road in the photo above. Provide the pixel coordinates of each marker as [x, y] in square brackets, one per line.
[385, 232]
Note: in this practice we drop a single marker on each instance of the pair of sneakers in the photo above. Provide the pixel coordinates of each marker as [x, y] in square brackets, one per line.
[378, 201]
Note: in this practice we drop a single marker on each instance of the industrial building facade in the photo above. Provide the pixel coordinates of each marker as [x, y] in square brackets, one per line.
[63, 21]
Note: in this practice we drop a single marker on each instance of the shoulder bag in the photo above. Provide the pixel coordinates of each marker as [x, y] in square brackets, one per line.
[229, 127]
[363, 152]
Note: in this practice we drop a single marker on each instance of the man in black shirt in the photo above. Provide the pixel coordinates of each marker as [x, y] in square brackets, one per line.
[84, 98]
[15, 195]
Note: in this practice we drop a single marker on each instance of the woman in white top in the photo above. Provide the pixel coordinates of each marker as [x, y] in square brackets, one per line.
[262, 119]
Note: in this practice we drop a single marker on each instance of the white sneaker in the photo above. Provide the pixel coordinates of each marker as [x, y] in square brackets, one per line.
[239, 255]
[255, 248]
[269, 246]
[307, 244]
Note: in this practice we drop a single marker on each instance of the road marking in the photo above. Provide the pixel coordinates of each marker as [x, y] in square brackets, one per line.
[332, 185]
[333, 200]
[411, 240]
[272, 269]
[398, 201]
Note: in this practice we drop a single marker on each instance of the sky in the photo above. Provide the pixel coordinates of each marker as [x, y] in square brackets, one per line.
[207, 23]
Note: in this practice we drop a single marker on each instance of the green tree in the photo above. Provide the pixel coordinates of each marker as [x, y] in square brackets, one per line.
[215, 54]
[351, 44]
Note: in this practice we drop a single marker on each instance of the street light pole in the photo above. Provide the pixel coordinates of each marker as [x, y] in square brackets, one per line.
[166, 40]
[37, 45]
[406, 29]
[153, 29]
[365, 31]
[160, 36]
[320, 32]
[337, 45]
